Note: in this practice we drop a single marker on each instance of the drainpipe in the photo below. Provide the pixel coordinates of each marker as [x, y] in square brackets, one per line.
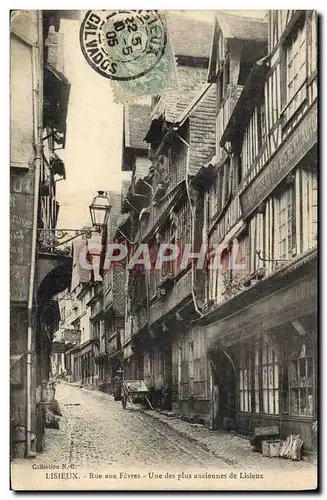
[147, 284]
[37, 84]
[205, 237]
[192, 217]
[212, 416]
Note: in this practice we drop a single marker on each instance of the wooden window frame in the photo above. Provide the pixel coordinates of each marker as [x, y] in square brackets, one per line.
[273, 363]
[245, 393]
[291, 249]
[259, 388]
[296, 386]
[287, 100]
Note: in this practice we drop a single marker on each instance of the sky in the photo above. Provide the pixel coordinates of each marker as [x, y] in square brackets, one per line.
[94, 134]
[94, 130]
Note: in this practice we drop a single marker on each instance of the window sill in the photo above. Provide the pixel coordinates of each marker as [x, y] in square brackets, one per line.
[304, 418]
[267, 415]
[285, 121]
[283, 415]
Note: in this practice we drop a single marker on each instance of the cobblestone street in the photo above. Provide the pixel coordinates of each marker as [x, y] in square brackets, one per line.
[97, 434]
[95, 430]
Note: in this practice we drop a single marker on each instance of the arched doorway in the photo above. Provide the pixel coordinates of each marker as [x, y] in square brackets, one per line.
[53, 275]
[224, 390]
[52, 279]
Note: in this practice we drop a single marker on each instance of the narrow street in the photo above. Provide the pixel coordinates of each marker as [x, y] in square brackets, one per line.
[102, 446]
[96, 431]
[164, 238]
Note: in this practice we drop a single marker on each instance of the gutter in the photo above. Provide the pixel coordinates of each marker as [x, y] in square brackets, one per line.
[37, 84]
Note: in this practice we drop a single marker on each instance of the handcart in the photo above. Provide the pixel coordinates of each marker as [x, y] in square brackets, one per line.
[133, 388]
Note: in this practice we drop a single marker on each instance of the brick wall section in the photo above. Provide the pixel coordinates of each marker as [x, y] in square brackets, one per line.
[201, 120]
[190, 37]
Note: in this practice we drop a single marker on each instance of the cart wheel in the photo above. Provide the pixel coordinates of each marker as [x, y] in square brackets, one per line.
[124, 401]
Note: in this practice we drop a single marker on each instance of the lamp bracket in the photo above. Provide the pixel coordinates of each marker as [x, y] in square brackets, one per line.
[52, 238]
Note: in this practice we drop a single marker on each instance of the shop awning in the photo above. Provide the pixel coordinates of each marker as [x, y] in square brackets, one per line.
[271, 302]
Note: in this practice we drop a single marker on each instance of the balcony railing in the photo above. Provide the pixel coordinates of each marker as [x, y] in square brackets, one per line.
[156, 212]
[181, 289]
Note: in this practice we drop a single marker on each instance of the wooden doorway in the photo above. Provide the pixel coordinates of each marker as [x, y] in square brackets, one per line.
[224, 391]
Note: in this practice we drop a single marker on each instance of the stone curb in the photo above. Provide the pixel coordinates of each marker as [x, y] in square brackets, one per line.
[192, 439]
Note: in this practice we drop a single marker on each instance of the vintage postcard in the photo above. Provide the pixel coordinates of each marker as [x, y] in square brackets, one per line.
[163, 256]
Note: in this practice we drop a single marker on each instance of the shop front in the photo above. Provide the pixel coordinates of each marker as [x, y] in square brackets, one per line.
[87, 354]
[263, 351]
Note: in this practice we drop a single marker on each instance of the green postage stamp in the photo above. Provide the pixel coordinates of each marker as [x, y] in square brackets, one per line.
[130, 48]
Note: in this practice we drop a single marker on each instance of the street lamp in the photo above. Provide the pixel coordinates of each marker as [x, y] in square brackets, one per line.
[100, 208]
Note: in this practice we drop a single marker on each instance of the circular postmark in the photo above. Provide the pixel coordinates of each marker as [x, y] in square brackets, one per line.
[123, 45]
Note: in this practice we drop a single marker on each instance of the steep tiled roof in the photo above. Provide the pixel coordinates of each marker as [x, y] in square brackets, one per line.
[137, 119]
[199, 106]
[115, 201]
[173, 103]
[190, 37]
[241, 27]
[202, 131]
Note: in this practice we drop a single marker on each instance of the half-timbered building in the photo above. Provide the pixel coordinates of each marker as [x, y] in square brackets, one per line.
[262, 333]
[113, 297]
[181, 135]
[38, 269]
